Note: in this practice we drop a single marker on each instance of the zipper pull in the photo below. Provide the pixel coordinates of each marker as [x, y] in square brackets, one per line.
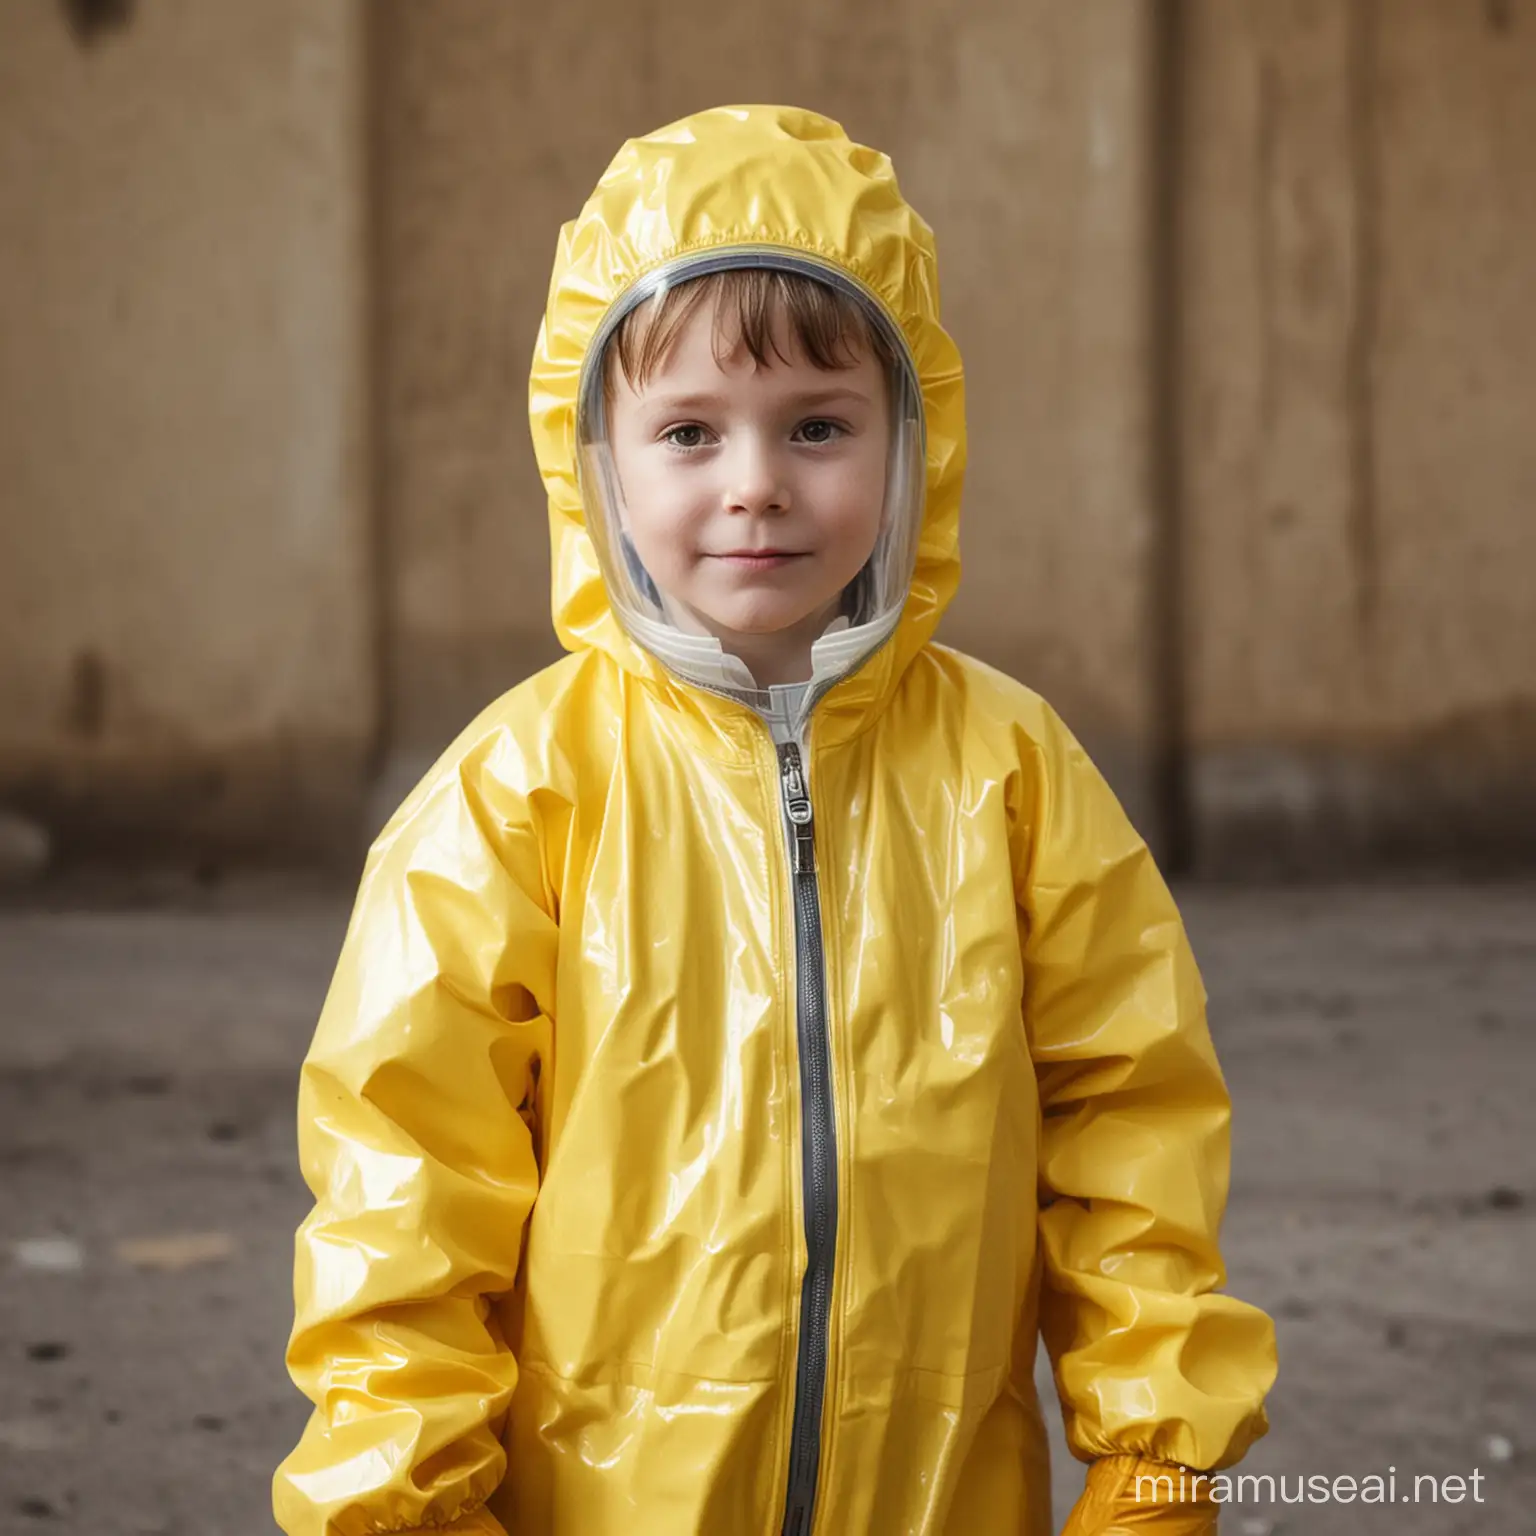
[797, 806]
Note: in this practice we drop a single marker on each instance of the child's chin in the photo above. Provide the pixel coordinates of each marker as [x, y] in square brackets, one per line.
[759, 618]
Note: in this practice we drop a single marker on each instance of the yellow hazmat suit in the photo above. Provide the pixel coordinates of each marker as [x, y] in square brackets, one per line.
[703, 1127]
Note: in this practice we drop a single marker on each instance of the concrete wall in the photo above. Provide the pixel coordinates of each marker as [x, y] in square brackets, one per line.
[185, 594]
[1358, 185]
[1021, 134]
[1244, 292]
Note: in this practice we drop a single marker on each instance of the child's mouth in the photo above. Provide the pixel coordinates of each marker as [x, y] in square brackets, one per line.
[759, 560]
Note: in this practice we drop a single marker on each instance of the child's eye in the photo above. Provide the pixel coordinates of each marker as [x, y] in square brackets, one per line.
[687, 435]
[819, 430]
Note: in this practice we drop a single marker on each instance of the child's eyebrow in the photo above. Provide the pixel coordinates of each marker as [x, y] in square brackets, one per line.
[832, 395]
[805, 400]
[663, 402]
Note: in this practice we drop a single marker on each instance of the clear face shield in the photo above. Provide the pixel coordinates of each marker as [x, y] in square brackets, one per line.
[872, 602]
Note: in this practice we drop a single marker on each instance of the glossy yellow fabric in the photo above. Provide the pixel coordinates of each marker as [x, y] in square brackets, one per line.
[550, 1115]
[1130, 1496]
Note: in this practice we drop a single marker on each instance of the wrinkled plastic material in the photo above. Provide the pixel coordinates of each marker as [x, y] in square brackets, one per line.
[551, 1116]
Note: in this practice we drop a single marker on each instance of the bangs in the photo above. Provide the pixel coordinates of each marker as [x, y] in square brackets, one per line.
[753, 308]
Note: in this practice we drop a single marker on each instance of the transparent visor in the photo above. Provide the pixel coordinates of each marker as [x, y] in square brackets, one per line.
[871, 603]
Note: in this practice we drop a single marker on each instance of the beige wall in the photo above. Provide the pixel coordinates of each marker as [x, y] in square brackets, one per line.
[1020, 134]
[185, 593]
[1359, 464]
[1262, 514]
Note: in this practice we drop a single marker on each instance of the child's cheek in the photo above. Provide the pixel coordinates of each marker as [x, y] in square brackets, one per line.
[855, 503]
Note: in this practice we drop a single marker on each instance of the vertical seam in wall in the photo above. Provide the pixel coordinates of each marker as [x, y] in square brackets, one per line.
[1169, 648]
[376, 354]
[1363, 38]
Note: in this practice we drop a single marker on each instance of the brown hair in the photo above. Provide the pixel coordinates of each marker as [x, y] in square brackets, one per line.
[829, 327]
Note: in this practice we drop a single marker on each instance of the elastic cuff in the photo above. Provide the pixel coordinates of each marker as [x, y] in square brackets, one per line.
[1139, 1480]
[1137, 1496]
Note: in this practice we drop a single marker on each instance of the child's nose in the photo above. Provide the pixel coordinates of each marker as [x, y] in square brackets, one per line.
[755, 481]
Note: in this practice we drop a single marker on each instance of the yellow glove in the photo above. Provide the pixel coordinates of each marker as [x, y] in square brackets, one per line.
[1170, 1502]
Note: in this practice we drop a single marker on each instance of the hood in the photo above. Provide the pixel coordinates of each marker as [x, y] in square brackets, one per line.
[767, 179]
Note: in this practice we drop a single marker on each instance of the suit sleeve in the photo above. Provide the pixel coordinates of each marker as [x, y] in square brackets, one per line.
[416, 1111]
[1150, 1359]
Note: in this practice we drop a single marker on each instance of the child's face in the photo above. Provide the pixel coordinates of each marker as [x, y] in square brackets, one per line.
[753, 493]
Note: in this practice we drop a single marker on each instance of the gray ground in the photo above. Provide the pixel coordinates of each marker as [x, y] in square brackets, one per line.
[1380, 1044]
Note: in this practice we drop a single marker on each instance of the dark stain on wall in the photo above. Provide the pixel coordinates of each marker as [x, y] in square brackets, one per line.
[92, 20]
[1456, 798]
[86, 710]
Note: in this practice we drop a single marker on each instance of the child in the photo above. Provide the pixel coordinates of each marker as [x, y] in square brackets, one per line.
[762, 1024]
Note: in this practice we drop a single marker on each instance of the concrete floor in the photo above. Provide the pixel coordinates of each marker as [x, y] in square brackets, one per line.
[1380, 1043]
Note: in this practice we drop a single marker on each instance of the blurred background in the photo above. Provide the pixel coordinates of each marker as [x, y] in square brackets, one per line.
[1246, 291]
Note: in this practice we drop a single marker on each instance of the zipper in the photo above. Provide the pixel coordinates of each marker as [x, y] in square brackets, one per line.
[818, 1146]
